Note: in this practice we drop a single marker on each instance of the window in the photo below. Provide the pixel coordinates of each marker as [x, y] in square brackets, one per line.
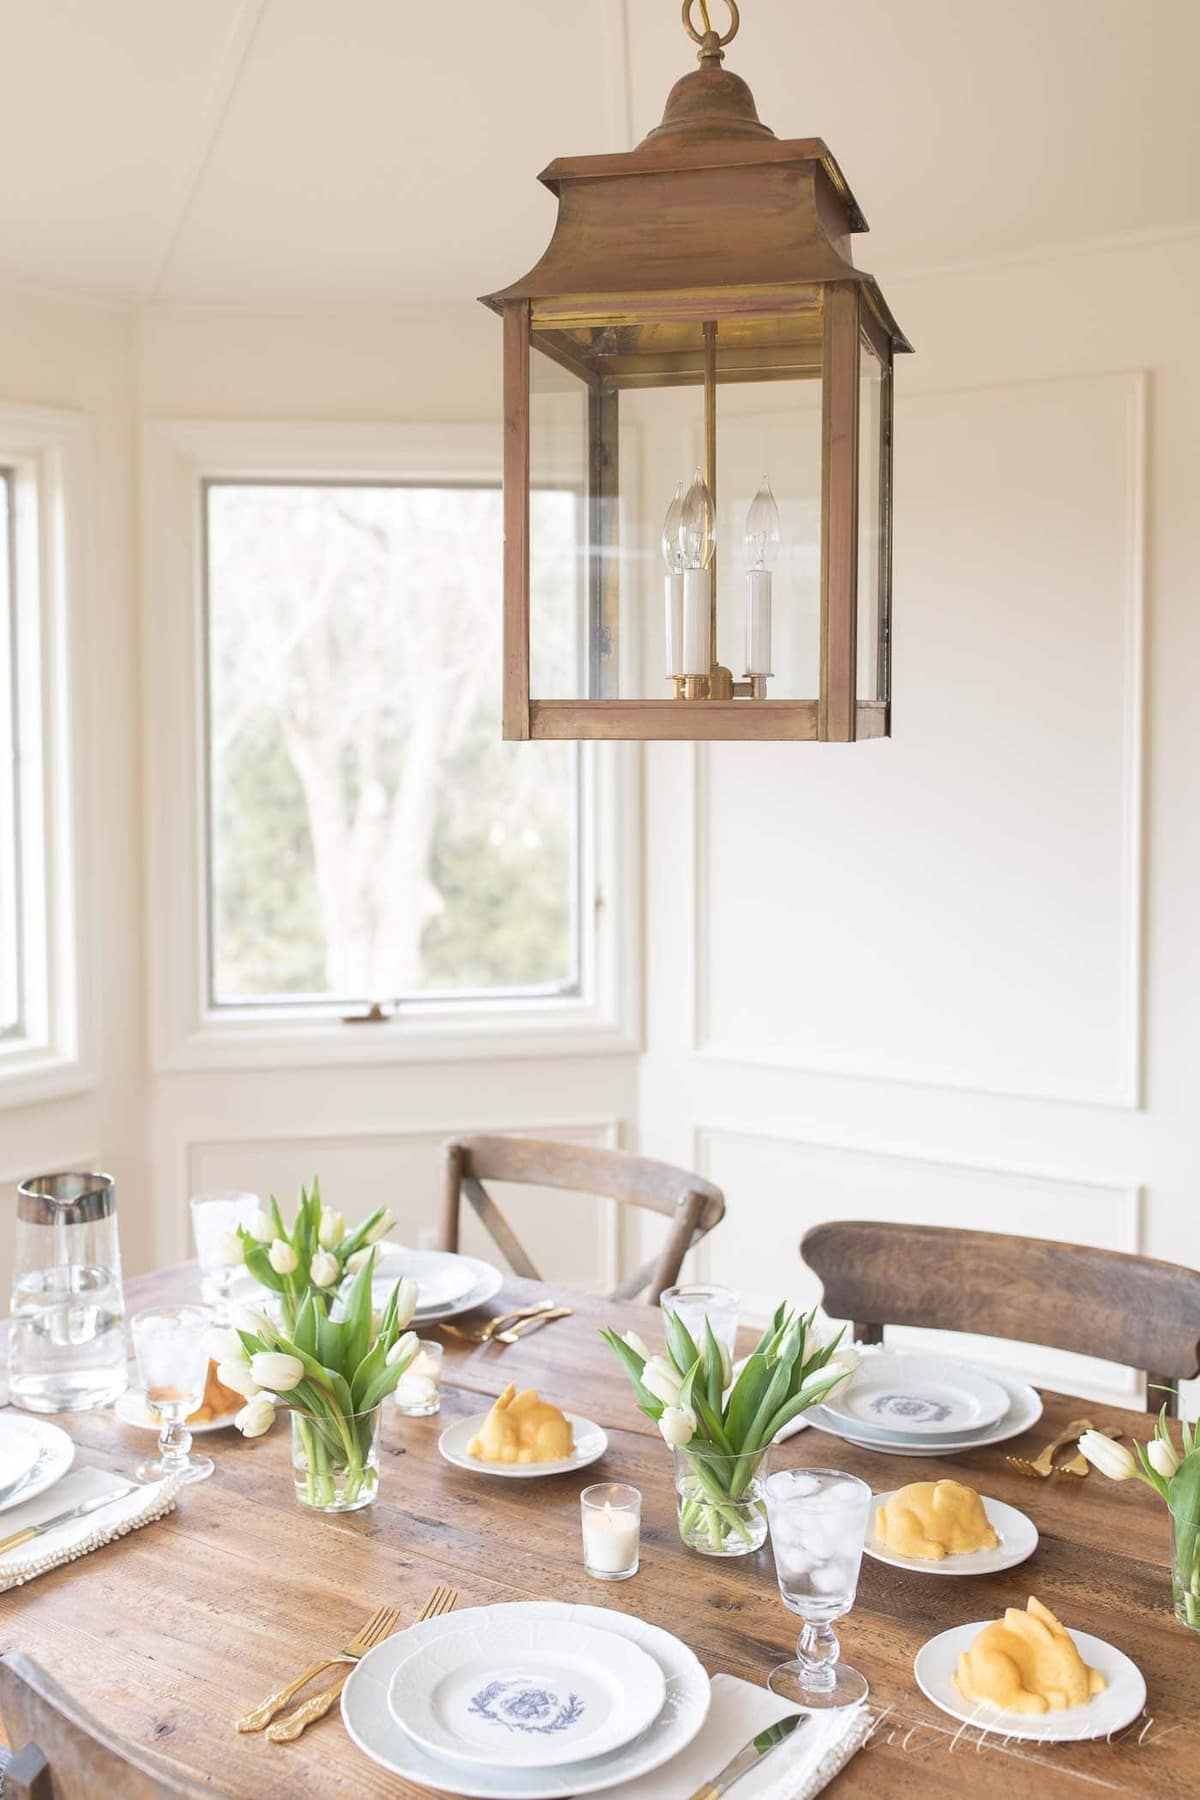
[369, 836]
[11, 982]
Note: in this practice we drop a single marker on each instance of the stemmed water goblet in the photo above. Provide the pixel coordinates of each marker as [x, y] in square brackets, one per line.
[818, 1522]
[215, 1220]
[171, 1347]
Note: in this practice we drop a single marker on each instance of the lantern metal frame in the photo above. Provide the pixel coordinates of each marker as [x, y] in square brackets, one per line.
[713, 252]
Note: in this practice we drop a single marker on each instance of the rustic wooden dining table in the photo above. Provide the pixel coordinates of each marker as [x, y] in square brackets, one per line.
[170, 1633]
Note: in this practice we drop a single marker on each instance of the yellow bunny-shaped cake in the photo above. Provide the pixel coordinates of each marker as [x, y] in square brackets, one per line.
[523, 1429]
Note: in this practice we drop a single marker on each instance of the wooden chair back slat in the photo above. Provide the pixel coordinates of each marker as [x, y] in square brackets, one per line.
[693, 1204]
[62, 1753]
[1104, 1303]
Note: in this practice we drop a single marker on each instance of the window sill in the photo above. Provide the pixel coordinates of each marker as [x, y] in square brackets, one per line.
[31, 1073]
[443, 1034]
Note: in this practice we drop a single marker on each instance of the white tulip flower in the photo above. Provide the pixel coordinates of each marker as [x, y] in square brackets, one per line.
[226, 1346]
[332, 1228]
[260, 1227]
[1164, 1458]
[257, 1416]
[324, 1269]
[240, 1377]
[229, 1249]
[406, 1302]
[661, 1380]
[404, 1349]
[252, 1320]
[678, 1425]
[726, 1363]
[637, 1344]
[1112, 1459]
[354, 1263]
[276, 1370]
[385, 1223]
[283, 1258]
[843, 1364]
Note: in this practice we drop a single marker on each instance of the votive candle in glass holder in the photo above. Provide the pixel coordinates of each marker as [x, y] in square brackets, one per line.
[612, 1525]
[419, 1390]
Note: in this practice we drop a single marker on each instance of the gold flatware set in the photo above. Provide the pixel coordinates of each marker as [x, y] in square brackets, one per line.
[1043, 1464]
[517, 1324]
[381, 1624]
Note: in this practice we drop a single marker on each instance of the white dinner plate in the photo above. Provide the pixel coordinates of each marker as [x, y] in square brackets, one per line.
[442, 1277]
[18, 1453]
[53, 1454]
[526, 1693]
[1017, 1533]
[369, 1721]
[1119, 1704]
[1024, 1411]
[131, 1410]
[917, 1396]
[591, 1441]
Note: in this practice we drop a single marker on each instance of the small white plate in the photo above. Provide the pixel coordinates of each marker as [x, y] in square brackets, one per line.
[591, 1441]
[18, 1453]
[1119, 1704]
[917, 1396]
[370, 1724]
[526, 1694]
[131, 1410]
[53, 1452]
[1017, 1533]
[1024, 1411]
[442, 1277]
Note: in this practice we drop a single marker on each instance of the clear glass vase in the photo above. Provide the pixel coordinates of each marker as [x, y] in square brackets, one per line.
[1185, 1570]
[335, 1461]
[721, 1509]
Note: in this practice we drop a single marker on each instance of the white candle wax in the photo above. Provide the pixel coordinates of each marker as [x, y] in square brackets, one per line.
[610, 1539]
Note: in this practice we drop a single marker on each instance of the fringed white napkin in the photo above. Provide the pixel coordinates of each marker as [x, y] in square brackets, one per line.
[802, 1766]
[66, 1542]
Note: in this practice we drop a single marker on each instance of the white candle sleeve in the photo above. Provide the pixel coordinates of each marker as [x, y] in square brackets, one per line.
[674, 620]
[697, 625]
[758, 621]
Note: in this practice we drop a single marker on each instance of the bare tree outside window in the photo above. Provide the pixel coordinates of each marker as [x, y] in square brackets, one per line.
[11, 1004]
[370, 836]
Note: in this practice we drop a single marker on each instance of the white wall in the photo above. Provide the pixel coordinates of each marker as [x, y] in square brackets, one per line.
[953, 977]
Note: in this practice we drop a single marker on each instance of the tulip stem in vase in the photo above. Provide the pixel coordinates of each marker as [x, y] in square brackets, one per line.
[1174, 1474]
[720, 1430]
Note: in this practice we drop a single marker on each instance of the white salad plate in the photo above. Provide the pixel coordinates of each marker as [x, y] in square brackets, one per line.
[443, 1278]
[1024, 1411]
[18, 1453]
[1017, 1533]
[52, 1455]
[917, 1396]
[527, 1694]
[370, 1723]
[131, 1409]
[1119, 1704]
[591, 1441]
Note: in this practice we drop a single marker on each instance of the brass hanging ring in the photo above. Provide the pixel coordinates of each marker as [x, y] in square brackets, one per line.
[698, 37]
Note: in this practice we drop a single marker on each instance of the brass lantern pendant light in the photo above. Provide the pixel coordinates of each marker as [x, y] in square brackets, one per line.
[713, 258]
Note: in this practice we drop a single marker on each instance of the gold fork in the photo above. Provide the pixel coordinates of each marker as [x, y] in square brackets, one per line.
[286, 1731]
[522, 1328]
[1043, 1464]
[381, 1624]
[492, 1328]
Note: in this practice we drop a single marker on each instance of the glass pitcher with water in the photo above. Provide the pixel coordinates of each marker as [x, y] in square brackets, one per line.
[66, 1344]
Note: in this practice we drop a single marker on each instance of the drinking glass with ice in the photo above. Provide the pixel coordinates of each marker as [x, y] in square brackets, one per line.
[818, 1520]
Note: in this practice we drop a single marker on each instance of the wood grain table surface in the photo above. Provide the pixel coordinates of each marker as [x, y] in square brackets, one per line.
[174, 1630]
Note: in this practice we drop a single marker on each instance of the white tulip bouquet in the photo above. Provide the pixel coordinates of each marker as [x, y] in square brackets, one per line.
[721, 1434]
[331, 1375]
[1174, 1474]
[314, 1257]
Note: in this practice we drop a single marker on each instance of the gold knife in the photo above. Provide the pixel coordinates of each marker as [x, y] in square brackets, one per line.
[750, 1756]
[64, 1518]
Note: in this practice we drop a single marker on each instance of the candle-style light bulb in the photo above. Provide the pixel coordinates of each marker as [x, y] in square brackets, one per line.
[672, 549]
[698, 541]
[761, 544]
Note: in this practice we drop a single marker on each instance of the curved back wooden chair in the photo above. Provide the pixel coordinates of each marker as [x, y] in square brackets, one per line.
[1105, 1303]
[693, 1204]
[61, 1753]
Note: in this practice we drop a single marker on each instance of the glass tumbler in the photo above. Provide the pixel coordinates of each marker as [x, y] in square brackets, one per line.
[215, 1220]
[695, 1301]
[818, 1520]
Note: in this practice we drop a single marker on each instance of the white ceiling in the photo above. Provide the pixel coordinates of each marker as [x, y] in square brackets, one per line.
[291, 151]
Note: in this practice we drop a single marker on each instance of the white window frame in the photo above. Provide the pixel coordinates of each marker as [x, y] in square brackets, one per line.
[186, 1033]
[48, 453]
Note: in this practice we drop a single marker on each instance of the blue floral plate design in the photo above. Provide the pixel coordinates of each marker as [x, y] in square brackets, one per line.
[526, 1694]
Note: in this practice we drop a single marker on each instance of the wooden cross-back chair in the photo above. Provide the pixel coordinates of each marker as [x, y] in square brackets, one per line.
[692, 1204]
[1106, 1303]
[59, 1752]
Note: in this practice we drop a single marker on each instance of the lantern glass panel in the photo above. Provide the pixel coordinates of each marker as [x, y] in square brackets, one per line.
[872, 546]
